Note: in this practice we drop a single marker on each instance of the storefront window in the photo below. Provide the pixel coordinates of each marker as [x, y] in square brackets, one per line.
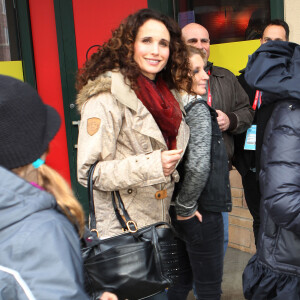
[4, 36]
[226, 20]
[10, 53]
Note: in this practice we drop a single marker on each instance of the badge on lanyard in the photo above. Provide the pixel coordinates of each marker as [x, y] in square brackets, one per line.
[250, 142]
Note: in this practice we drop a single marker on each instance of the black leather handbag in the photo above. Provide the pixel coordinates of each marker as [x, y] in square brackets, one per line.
[133, 265]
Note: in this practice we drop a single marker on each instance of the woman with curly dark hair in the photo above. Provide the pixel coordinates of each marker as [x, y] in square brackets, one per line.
[118, 53]
[131, 119]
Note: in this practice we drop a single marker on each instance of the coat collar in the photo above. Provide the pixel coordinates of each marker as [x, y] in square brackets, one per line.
[122, 91]
[214, 71]
[115, 83]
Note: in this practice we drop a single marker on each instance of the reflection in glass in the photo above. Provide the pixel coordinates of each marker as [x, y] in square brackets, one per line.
[226, 20]
[4, 37]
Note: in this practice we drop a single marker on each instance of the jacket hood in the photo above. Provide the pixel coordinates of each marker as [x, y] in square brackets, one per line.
[274, 68]
[101, 84]
[19, 199]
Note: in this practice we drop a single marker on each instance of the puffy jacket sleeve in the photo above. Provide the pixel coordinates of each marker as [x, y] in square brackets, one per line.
[100, 145]
[48, 258]
[281, 172]
[195, 167]
[275, 68]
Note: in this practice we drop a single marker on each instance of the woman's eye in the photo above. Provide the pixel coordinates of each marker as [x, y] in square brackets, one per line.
[195, 71]
[164, 43]
[146, 40]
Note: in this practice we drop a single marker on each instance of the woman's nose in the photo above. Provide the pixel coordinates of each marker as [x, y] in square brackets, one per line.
[204, 75]
[155, 48]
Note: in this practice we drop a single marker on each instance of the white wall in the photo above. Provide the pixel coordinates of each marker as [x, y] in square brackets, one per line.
[292, 17]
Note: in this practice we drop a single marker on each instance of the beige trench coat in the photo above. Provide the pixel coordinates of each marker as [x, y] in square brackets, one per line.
[117, 130]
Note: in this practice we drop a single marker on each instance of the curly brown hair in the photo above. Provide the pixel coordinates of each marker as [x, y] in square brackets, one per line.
[194, 51]
[118, 53]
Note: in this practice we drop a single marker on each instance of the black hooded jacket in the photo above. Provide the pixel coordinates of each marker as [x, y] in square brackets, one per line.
[275, 69]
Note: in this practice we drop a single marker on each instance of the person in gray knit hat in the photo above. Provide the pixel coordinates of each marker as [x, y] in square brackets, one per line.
[39, 213]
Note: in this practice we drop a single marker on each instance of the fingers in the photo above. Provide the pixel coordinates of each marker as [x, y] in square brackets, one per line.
[196, 214]
[108, 296]
[184, 218]
[169, 160]
[199, 216]
[176, 151]
[222, 120]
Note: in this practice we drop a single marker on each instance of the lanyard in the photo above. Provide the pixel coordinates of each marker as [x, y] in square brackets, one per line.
[256, 103]
[257, 100]
[209, 98]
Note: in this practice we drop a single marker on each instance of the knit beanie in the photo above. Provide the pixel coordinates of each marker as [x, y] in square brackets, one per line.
[27, 125]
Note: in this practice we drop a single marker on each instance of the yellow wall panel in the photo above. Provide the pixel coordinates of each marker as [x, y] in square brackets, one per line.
[233, 56]
[12, 68]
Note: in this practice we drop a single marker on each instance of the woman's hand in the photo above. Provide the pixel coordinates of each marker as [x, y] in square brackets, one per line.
[169, 160]
[108, 296]
[197, 214]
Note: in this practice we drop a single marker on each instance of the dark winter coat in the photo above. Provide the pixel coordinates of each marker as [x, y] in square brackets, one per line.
[229, 97]
[275, 269]
[244, 160]
[280, 57]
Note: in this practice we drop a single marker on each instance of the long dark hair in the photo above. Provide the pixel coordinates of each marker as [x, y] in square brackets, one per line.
[118, 53]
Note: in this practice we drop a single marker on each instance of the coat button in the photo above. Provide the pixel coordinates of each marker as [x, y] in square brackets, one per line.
[129, 191]
[161, 194]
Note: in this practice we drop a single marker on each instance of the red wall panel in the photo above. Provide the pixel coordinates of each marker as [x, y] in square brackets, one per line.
[94, 21]
[48, 76]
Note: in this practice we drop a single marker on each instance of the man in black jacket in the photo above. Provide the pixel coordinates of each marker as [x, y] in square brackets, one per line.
[247, 162]
[225, 95]
[273, 272]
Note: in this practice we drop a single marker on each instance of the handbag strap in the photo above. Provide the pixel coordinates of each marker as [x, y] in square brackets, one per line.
[91, 197]
[118, 215]
[127, 224]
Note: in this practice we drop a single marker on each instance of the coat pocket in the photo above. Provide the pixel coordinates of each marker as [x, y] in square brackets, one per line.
[285, 253]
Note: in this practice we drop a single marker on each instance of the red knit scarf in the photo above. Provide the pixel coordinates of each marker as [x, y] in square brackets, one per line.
[164, 108]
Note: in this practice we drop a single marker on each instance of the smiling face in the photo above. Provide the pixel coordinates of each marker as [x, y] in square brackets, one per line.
[199, 75]
[151, 48]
